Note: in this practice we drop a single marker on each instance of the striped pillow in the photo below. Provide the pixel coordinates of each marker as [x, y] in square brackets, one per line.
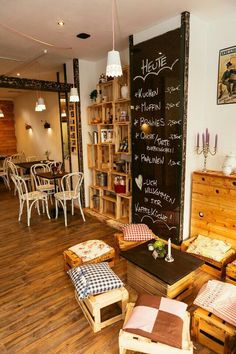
[137, 232]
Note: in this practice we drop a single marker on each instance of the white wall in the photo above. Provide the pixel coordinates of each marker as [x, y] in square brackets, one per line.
[38, 140]
[220, 118]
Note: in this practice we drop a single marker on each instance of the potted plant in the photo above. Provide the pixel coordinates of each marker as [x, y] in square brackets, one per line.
[93, 95]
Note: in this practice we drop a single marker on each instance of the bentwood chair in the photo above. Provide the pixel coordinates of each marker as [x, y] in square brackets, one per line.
[4, 174]
[42, 185]
[12, 168]
[70, 191]
[29, 198]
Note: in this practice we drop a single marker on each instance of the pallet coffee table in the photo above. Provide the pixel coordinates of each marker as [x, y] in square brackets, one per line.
[158, 277]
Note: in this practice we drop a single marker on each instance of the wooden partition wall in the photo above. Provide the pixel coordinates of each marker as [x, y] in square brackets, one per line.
[7, 129]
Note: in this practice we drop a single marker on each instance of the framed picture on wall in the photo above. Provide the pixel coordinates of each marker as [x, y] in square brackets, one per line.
[226, 84]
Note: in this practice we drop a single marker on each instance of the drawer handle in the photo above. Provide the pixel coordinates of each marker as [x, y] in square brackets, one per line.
[234, 183]
[201, 214]
[203, 178]
[217, 191]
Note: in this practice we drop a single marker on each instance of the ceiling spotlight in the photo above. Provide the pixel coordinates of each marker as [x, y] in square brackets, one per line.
[61, 23]
[18, 74]
[83, 35]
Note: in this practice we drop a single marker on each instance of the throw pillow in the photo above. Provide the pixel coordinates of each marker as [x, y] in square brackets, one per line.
[159, 319]
[137, 232]
[219, 298]
[92, 279]
[208, 247]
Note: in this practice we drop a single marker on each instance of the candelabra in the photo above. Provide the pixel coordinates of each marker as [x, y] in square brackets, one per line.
[205, 148]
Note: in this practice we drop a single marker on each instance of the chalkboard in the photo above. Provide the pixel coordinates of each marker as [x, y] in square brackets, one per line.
[157, 134]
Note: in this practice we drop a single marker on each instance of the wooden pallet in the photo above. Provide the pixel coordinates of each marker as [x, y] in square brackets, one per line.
[93, 305]
[137, 343]
[231, 273]
[71, 260]
[213, 215]
[214, 333]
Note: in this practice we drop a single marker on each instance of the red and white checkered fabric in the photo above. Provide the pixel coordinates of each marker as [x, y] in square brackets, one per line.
[137, 232]
[220, 299]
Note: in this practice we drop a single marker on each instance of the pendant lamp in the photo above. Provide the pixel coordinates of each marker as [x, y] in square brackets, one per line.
[63, 113]
[41, 104]
[1, 114]
[37, 107]
[113, 59]
[74, 96]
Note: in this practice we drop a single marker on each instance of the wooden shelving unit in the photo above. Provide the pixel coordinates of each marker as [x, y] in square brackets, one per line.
[73, 129]
[110, 158]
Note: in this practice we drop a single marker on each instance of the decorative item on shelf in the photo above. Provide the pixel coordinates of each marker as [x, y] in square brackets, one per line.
[96, 201]
[113, 68]
[106, 135]
[104, 99]
[93, 95]
[229, 164]
[120, 166]
[124, 145]
[124, 91]
[27, 126]
[101, 179]
[74, 96]
[1, 114]
[102, 78]
[169, 257]
[119, 184]
[123, 116]
[205, 148]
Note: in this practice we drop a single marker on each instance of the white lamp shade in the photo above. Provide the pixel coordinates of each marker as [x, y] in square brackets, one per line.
[63, 113]
[37, 107]
[41, 104]
[74, 96]
[113, 64]
[1, 114]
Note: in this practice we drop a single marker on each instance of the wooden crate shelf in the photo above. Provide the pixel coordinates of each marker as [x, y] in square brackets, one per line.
[109, 159]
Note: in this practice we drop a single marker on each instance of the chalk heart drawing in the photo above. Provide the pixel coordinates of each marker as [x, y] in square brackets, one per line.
[139, 181]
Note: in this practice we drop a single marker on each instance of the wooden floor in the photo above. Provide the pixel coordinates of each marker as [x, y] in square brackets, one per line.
[38, 311]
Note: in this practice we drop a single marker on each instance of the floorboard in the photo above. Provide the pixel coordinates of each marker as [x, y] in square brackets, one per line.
[38, 311]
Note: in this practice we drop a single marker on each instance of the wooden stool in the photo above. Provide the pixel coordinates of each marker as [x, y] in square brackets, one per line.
[231, 273]
[129, 341]
[71, 260]
[213, 332]
[92, 306]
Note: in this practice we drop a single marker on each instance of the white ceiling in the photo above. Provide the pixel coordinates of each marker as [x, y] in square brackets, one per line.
[38, 19]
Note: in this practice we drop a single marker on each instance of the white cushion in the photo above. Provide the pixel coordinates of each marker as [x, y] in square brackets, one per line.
[65, 195]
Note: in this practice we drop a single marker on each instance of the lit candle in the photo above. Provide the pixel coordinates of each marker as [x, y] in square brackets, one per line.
[216, 140]
[169, 247]
[197, 139]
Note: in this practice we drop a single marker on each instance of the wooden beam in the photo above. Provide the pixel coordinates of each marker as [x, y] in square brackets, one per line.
[29, 84]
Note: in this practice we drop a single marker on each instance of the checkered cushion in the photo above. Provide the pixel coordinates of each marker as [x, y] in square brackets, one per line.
[92, 279]
[137, 232]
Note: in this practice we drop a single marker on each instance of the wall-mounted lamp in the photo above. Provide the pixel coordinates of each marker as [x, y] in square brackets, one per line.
[47, 125]
[63, 113]
[27, 126]
[1, 114]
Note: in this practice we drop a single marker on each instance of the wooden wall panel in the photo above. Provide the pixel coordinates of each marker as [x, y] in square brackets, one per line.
[7, 129]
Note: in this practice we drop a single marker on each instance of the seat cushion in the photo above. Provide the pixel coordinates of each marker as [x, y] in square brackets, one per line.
[91, 249]
[218, 298]
[45, 187]
[210, 248]
[137, 232]
[92, 279]
[67, 195]
[159, 319]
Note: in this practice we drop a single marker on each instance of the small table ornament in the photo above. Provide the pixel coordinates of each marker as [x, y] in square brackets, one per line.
[205, 148]
[169, 257]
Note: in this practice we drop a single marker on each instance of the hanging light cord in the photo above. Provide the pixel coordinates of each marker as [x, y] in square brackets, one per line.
[24, 35]
[113, 24]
